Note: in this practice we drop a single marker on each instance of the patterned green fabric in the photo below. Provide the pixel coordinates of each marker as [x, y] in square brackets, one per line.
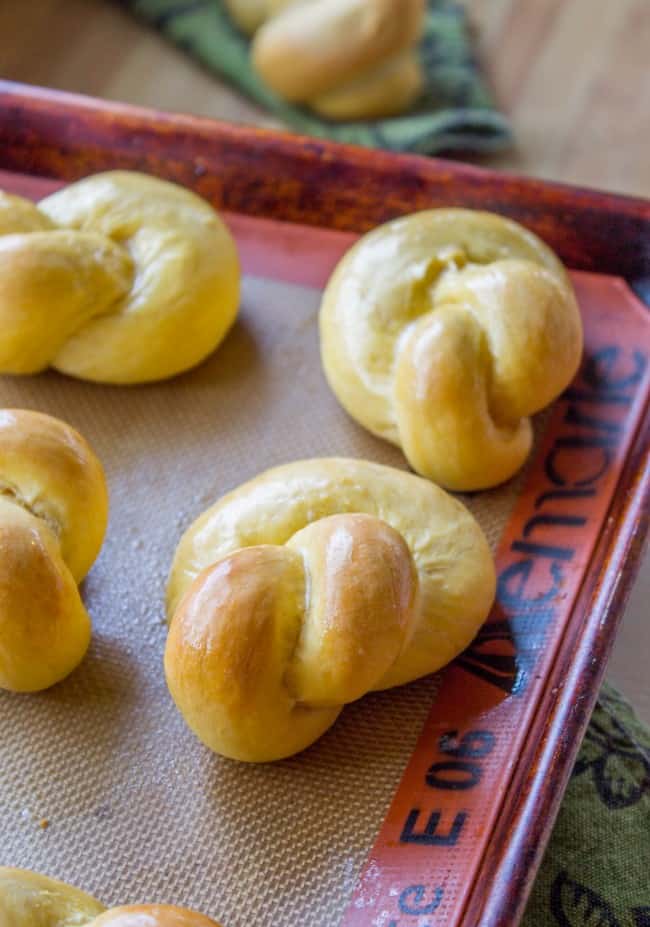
[596, 871]
[455, 112]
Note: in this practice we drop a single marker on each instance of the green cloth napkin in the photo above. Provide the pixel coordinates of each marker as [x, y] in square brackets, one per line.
[455, 112]
[596, 871]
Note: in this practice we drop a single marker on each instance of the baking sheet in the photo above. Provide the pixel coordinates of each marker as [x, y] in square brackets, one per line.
[138, 810]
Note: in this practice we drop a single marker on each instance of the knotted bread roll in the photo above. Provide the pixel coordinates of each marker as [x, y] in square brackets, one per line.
[119, 278]
[443, 332]
[308, 587]
[28, 899]
[346, 59]
[53, 514]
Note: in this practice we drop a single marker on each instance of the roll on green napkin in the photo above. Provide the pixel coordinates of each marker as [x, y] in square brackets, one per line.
[455, 112]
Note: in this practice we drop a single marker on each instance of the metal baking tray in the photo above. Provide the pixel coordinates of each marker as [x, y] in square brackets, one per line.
[427, 805]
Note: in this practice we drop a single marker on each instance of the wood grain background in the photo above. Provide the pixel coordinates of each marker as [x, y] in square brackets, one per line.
[573, 76]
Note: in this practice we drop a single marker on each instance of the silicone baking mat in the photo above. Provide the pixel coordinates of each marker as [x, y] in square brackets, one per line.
[137, 809]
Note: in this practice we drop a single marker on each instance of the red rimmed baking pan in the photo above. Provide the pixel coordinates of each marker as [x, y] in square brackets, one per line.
[470, 816]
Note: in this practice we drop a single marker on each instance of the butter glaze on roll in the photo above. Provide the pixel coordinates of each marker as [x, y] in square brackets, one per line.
[28, 899]
[343, 57]
[443, 332]
[309, 586]
[53, 514]
[119, 278]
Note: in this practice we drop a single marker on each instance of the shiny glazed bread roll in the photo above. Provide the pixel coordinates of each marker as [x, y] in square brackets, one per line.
[28, 899]
[308, 587]
[119, 278]
[443, 332]
[310, 48]
[53, 514]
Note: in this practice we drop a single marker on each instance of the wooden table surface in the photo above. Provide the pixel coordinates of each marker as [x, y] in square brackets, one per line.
[573, 75]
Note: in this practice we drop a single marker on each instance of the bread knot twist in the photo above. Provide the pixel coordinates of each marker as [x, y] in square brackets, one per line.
[53, 514]
[443, 332]
[29, 899]
[309, 587]
[119, 278]
[346, 59]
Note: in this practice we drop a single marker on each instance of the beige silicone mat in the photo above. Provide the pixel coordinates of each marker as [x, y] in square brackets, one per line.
[138, 810]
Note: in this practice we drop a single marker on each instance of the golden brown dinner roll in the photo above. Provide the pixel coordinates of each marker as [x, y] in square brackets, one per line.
[443, 332]
[53, 514]
[119, 278]
[309, 586]
[312, 49]
[28, 899]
